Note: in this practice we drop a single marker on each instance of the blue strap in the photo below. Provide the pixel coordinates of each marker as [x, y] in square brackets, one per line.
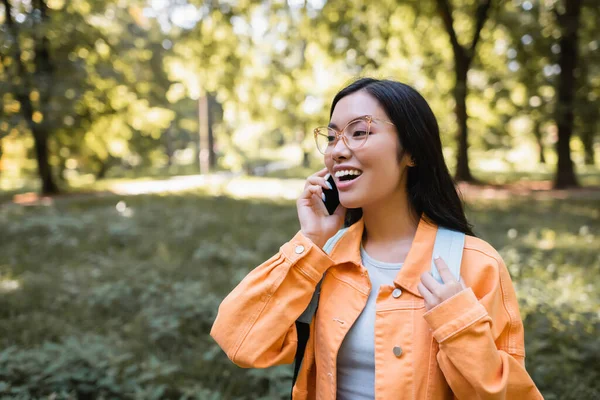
[333, 240]
[449, 246]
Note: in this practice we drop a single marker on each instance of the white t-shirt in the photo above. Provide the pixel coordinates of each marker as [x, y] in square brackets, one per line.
[356, 356]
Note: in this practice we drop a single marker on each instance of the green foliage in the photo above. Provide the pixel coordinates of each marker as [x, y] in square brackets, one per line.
[114, 297]
[80, 367]
[563, 350]
[123, 79]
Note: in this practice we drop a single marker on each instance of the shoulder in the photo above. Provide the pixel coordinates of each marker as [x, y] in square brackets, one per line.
[482, 267]
[479, 248]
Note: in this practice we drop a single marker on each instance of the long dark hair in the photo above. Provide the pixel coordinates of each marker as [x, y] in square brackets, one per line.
[431, 189]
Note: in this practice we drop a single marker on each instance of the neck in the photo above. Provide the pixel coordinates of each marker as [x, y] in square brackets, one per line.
[390, 227]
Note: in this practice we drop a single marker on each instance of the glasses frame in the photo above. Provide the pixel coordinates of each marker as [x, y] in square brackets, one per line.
[340, 134]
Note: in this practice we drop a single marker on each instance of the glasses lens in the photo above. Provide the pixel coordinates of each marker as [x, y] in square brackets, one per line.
[356, 133]
[325, 139]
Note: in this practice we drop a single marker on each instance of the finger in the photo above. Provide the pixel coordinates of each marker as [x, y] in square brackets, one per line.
[321, 172]
[317, 191]
[318, 200]
[430, 283]
[311, 180]
[319, 205]
[430, 299]
[309, 190]
[443, 269]
[317, 180]
[462, 284]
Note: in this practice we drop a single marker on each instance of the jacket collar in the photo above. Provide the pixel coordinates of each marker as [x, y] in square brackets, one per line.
[418, 259]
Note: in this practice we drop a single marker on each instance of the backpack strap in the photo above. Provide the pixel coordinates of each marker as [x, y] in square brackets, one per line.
[449, 246]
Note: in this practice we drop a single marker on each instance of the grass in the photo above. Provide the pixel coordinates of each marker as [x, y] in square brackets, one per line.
[126, 288]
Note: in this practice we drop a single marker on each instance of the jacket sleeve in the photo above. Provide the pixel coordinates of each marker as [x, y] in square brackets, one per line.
[255, 324]
[481, 342]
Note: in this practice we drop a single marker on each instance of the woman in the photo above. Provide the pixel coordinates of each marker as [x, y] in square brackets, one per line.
[385, 328]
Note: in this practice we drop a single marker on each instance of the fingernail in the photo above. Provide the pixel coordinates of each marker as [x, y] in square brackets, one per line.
[327, 176]
[329, 185]
[323, 196]
[436, 257]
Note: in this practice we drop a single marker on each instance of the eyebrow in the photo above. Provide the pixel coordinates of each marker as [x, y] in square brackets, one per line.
[334, 126]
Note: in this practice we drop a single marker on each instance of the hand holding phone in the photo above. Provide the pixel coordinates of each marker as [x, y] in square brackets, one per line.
[319, 210]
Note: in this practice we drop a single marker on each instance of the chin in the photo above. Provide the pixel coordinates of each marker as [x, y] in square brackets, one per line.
[351, 202]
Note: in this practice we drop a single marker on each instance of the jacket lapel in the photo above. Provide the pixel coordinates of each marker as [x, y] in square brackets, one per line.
[418, 259]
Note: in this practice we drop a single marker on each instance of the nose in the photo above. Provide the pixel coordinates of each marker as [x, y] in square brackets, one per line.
[340, 151]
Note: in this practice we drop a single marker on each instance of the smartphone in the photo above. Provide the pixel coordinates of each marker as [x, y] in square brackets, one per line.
[332, 196]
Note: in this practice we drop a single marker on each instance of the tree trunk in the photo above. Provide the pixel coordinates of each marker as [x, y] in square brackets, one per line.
[105, 166]
[537, 132]
[462, 59]
[462, 173]
[1, 153]
[587, 138]
[204, 133]
[169, 150]
[212, 157]
[567, 60]
[42, 60]
[41, 155]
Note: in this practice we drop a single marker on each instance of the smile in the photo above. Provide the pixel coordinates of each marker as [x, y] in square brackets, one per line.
[347, 174]
[346, 178]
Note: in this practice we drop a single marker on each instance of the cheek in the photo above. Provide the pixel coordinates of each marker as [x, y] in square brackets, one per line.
[383, 162]
[328, 161]
[384, 171]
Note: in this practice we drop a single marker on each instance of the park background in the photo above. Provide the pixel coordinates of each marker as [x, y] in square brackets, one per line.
[151, 152]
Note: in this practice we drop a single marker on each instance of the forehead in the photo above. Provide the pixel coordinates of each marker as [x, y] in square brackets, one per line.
[356, 105]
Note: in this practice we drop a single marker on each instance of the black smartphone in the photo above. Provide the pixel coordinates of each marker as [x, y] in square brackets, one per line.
[332, 196]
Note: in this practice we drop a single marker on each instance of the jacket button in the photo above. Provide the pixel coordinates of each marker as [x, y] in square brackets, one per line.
[397, 351]
[397, 293]
[299, 249]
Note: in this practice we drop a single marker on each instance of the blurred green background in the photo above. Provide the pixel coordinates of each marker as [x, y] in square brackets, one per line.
[151, 152]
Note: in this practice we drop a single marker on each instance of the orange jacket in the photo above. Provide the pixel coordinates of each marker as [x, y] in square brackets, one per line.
[469, 347]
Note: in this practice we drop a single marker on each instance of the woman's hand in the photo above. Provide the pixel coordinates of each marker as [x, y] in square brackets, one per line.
[315, 222]
[434, 292]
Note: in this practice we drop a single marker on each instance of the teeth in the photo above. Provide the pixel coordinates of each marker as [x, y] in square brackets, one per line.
[345, 172]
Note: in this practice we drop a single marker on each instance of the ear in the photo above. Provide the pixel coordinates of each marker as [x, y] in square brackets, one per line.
[405, 156]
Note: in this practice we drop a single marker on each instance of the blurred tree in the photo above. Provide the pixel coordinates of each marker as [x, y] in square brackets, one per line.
[405, 41]
[567, 15]
[528, 81]
[463, 57]
[395, 40]
[37, 80]
[127, 77]
[94, 95]
[587, 97]
[206, 63]
[296, 99]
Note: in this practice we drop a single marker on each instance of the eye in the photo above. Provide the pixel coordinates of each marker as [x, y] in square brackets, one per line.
[331, 138]
[359, 133]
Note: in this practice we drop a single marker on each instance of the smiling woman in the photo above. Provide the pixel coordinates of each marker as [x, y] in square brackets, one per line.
[379, 323]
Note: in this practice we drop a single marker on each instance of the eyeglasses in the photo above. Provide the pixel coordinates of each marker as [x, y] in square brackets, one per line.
[354, 134]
